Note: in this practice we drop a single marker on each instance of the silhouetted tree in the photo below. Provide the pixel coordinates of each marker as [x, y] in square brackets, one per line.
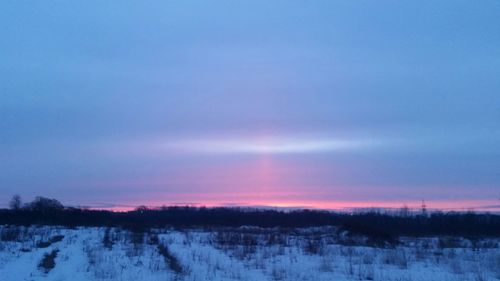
[404, 211]
[44, 204]
[15, 202]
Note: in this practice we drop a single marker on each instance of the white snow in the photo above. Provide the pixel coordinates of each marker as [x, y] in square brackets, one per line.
[240, 254]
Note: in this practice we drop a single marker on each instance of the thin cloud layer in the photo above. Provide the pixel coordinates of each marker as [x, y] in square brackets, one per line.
[275, 145]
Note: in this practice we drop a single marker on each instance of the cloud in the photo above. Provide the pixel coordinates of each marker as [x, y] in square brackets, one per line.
[280, 145]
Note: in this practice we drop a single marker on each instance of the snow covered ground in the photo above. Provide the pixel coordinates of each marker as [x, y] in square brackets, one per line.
[54, 253]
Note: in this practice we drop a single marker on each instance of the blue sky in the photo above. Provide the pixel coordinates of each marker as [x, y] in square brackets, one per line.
[251, 102]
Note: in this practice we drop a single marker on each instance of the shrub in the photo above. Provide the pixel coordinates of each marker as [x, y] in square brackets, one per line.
[313, 246]
[53, 239]
[48, 261]
[10, 233]
[56, 238]
[366, 272]
[137, 238]
[43, 244]
[396, 257]
[153, 239]
[449, 242]
[170, 260]
[107, 241]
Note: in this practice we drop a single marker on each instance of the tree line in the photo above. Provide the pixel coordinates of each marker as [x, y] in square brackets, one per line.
[374, 224]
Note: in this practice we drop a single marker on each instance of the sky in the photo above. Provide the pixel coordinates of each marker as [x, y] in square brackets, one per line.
[322, 104]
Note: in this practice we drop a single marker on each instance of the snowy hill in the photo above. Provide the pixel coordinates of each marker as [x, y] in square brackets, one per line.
[54, 253]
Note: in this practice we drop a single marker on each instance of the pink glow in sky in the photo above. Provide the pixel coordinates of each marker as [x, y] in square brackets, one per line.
[274, 179]
[312, 103]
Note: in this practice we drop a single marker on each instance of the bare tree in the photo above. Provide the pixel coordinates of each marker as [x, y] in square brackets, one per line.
[42, 204]
[15, 202]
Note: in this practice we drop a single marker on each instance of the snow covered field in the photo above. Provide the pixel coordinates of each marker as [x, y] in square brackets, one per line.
[53, 253]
